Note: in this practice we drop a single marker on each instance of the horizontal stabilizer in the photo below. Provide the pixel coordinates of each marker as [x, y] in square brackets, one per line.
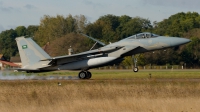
[20, 69]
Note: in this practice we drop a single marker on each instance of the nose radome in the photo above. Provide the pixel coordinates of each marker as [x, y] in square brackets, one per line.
[184, 40]
[176, 41]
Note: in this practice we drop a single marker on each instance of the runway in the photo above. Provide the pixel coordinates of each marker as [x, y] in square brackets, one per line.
[109, 75]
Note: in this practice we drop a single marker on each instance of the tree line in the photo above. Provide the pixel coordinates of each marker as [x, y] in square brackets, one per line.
[58, 33]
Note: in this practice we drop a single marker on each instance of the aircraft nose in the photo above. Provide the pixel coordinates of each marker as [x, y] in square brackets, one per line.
[176, 41]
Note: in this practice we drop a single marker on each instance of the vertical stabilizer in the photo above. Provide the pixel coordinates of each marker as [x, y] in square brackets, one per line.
[30, 52]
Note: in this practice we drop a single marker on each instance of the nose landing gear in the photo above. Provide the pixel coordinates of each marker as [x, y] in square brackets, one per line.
[134, 59]
[135, 69]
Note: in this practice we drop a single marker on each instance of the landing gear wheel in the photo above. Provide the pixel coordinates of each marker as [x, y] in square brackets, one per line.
[89, 75]
[134, 59]
[85, 75]
[135, 69]
[82, 75]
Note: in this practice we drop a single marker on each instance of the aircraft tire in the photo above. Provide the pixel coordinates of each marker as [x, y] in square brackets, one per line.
[135, 69]
[82, 75]
[89, 75]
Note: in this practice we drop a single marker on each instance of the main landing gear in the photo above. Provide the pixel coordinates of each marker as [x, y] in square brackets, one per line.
[134, 59]
[85, 75]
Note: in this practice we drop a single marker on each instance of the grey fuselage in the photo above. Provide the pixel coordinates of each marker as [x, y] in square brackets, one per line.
[115, 52]
[35, 59]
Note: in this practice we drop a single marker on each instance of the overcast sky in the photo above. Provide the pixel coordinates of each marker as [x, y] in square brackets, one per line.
[29, 12]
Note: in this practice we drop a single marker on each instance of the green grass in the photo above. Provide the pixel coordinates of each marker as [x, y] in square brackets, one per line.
[128, 91]
[129, 74]
[126, 74]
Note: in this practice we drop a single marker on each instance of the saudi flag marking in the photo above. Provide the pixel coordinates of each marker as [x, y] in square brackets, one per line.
[24, 46]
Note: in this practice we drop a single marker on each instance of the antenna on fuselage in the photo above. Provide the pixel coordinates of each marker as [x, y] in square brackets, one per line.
[70, 51]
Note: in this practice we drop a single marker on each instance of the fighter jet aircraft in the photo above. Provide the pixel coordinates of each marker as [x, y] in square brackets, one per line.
[35, 59]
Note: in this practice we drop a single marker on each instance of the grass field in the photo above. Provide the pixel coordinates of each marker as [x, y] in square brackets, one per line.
[108, 90]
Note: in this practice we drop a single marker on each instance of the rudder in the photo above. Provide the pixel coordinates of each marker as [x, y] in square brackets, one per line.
[30, 52]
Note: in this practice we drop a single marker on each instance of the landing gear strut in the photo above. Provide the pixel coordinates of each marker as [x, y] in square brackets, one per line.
[85, 75]
[135, 69]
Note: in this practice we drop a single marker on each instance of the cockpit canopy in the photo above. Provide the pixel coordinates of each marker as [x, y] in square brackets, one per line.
[143, 35]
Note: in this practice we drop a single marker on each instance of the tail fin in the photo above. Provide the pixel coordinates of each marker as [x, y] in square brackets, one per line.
[30, 52]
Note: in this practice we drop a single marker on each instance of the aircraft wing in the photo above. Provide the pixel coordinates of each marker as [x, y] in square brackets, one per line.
[84, 55]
